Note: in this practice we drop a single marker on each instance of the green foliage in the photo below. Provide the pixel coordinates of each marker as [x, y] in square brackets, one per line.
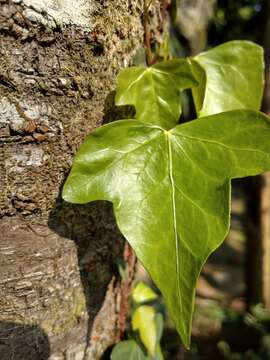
[128, 350]
[253, 330]
[170, 185]
[142, 293]
[147, 326]
[144, 321]
[230, 77]
[155, 91]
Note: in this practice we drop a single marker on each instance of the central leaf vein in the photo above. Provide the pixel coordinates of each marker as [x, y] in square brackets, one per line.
[174, 221]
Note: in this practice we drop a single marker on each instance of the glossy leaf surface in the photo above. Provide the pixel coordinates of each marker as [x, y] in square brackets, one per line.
[143, 293]
[155, 91]
[230, 78]
[171, 191]
[127, 350]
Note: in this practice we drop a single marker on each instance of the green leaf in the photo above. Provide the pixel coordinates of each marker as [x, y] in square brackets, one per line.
[155, 91]
[231, 77]
[143, 320]
[159, 326]
[127, 350]
[171, 191]
[142, 293]
[159, 355]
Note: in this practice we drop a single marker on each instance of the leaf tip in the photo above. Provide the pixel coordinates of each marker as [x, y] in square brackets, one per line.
[186, 341]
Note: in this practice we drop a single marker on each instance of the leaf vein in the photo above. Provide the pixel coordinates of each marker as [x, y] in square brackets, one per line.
[174, 223]
[231, 148]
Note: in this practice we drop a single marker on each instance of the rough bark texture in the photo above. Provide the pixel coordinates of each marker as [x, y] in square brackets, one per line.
[59, 288]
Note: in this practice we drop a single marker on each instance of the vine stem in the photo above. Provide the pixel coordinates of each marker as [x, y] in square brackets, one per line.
[147, 36]
[150, 58]
[126, 286]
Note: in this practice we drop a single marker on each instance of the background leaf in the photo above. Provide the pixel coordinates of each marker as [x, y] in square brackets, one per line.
[127, 350]
[155, 91]
[159, 325]
[143, 321]
[142, 293]
[230, 77]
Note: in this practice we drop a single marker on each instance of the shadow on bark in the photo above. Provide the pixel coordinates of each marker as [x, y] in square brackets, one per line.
[114, 113]
[99, 245]
[27, 342]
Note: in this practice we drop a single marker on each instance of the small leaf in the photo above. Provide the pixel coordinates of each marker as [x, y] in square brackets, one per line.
[143, 320]
[155, 91]
[159, 355]
[142, 293]
[171, 191]
[123, 270]
[159, 326]
[230, 77]
[127, 350]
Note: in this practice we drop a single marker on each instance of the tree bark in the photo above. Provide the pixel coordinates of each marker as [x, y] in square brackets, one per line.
[60, 293]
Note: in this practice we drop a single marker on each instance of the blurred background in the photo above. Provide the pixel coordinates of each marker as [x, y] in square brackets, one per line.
[232, 316]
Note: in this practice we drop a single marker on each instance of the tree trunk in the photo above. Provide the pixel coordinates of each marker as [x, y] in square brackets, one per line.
[60, 291]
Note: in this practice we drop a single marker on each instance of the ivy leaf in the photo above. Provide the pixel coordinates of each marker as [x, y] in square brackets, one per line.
[143, 293]
[143, 321]
[159, 325]
[231, 77]
[127, 350]
[171, 191]
[155, 91]
[149, 324]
